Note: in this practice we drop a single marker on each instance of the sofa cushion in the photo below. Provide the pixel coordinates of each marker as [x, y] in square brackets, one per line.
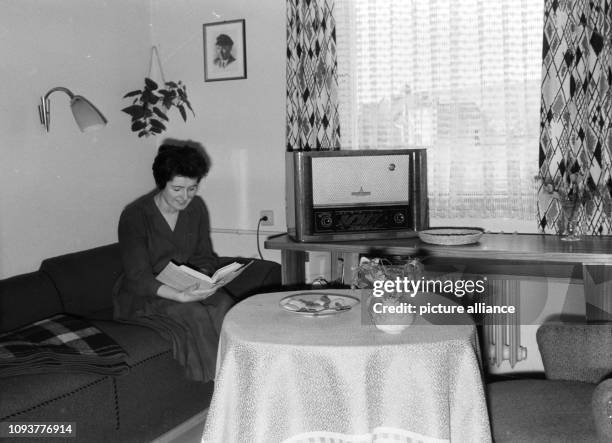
[36, 395]
[30, 395]
[27, 298]
[542, 411]
[85, 279]
[157, 397]
[141, 343]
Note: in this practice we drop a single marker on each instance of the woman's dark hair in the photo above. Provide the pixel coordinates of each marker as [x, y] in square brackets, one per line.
[173, 160]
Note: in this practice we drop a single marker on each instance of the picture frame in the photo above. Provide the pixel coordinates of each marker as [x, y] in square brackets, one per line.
[224, 50]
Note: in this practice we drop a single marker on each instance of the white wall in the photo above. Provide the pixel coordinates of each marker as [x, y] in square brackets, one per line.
[63, 191]
[241, 123]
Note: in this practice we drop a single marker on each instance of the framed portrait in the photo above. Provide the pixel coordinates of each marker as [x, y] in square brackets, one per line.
[224, 51]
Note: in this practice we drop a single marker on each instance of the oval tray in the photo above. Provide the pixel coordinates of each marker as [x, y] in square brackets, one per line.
[451, 236]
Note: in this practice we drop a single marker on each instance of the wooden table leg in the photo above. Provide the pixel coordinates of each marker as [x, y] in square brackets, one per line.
[597, 280]
[293, 270]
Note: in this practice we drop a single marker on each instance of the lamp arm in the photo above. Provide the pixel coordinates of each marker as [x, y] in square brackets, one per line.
[59, 88]
[44, 111]
[86, 115]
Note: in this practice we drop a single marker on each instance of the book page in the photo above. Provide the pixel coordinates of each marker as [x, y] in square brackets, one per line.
[227, 273]
[173, 276]
[182, 277]
[196, 274]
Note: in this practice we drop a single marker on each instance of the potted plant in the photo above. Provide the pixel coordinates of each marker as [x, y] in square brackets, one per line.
[151, 104]
[374, 270]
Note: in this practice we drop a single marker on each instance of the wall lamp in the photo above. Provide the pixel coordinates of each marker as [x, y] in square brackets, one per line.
[86, 115]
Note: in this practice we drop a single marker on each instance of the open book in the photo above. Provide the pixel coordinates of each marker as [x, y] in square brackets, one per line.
[181, 277]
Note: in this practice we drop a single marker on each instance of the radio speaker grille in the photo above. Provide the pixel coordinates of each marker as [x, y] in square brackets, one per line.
[355, 180]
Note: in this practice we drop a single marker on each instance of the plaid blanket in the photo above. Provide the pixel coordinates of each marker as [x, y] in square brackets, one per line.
[58, 344]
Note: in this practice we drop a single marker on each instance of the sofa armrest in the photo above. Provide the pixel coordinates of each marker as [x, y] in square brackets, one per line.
[576, 351]
[27, 298]
[602, 410]
[260, 276]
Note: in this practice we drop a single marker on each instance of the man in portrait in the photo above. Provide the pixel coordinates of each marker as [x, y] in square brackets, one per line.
[223, 46]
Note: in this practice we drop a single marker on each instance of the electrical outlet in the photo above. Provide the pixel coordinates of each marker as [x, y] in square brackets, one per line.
[270, 215]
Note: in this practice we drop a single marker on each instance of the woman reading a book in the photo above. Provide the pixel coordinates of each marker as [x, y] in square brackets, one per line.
[171, 223]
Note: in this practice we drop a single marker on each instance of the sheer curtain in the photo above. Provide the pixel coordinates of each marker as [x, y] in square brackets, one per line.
[459, 78]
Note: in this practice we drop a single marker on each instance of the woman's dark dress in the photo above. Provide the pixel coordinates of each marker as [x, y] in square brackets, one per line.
[147, 244]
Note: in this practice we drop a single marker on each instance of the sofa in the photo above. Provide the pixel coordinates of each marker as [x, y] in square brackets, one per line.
[573, 403]
[150, 399]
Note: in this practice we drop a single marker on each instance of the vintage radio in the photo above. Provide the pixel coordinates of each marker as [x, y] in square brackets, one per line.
[347, 195]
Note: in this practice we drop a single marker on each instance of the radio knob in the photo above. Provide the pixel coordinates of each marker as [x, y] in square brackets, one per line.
[326, 221]
[399, 218]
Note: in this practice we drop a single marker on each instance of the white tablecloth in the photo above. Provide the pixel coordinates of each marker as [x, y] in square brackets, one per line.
[282, 375]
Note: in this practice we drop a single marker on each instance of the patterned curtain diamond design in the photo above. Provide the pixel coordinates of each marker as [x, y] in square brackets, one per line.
[576, 113]
[312, 78]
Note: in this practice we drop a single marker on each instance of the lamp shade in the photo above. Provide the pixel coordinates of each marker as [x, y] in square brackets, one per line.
[86, 115]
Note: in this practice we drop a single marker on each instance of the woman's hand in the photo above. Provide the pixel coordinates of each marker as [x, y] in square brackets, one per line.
[194, 293]
[191, 294]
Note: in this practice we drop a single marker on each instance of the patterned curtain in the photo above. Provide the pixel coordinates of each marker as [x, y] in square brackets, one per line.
[576, 113]
[312, 77]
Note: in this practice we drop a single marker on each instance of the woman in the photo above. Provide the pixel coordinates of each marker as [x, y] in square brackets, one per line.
[171, 223]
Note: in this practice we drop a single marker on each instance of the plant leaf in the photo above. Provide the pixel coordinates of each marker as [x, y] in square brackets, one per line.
[156, 124]
[172, 84]
[160, 114]
[157, 130]
[189, 106]
[142, 133]
[167, 101]
[150, 84]
[136, 111]
[138, 125]
[181, 108]
[150, 97]
[132, 93]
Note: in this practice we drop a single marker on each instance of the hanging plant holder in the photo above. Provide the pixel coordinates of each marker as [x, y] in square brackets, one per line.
[151, 104]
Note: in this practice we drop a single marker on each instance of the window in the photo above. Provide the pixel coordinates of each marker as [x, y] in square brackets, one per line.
[461, 79]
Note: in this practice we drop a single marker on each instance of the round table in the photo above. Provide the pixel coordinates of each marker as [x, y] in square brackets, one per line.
[283, 376]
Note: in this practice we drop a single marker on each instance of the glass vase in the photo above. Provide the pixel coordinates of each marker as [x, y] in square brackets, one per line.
[390, 314]
[570, 221]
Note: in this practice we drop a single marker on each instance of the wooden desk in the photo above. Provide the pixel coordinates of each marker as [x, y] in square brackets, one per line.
[520, 254]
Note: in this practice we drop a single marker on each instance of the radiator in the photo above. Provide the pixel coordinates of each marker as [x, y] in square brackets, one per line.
[502, 332]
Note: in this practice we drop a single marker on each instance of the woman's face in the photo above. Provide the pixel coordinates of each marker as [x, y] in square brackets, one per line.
[179, 192]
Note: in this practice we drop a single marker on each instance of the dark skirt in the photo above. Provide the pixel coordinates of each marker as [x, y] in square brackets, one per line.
[193, 328]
